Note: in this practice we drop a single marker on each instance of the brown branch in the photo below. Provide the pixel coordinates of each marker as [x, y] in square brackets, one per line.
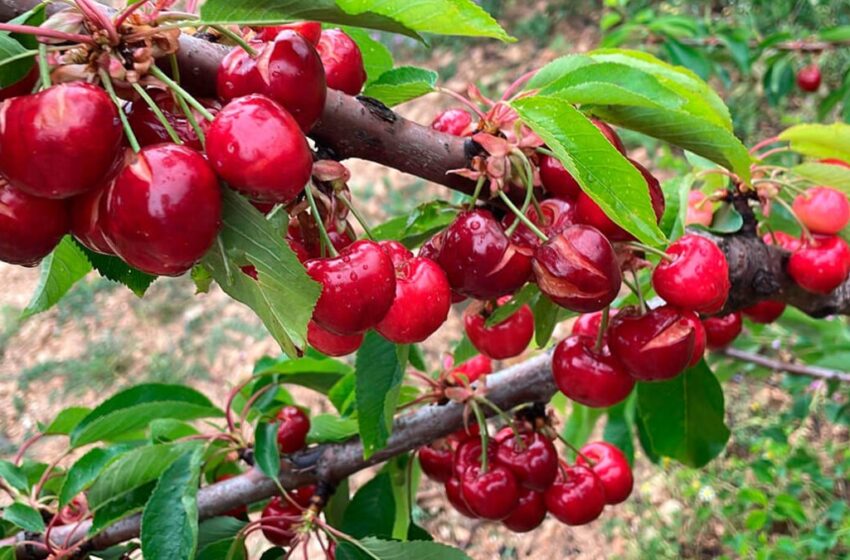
[779, 365]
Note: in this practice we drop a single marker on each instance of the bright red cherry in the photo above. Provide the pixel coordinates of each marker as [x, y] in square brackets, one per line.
[721, 331]
[823, 210]
[589, 376]
[342, 60]
[468, 453]
[332, 344]
[294, 426]
[588, 324]
[578, 269]
[237, 74]
[163, 211]
[455, 497]
[60, 142]
[471, 370]
[699, 338]
[86, 221]
[653, 346]
[149, 130]
[30, 227]
[696, 277]
[558, 215]
[310, 238]
[808, 78]
[699, 210]
[279, 520]
[310, 30]
[764, 312]
[259, 150]
[503, 340]
[436, 461]
[822, 265]
[612, 468]
[493, 494]
[534, 462]
[358, 288]
[529, 513]
[784, 240]
[557, 180]
[577, 497]
[456, 122]
[21, 87]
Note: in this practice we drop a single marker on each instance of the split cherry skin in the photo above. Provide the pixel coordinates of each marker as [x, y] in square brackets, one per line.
[591, 377]
[342, 60]
[503, 340]
[696, 277]
[30, 227]
[86, 221]
[293, 429]
[612, 468]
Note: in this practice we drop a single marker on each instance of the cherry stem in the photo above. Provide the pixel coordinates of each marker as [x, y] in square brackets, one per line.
[99, 18]
[463, 100]
[236, 38]
[482, 429]
[514, 87]
[787, 184]
[190, 116]
[527, 177]
[161, 76]
[502, 414]
[159, 114]
[357, 215]
[639, 291]
[806, 233]
[774, 151]
[46, 32]
[636, 246]
[576, 450]
[603, 326]
[522, 217]
[479, 184]
[128, 130]
[250, 402]
[764, 143]
[24, 446]
[44, 66]
[228, 407]
[317, 217]
[127, 12]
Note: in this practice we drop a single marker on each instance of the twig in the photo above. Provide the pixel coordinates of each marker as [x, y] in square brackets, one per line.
[779, 365]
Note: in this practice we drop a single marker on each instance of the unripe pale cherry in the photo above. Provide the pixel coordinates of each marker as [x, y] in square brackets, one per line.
[456, 122]
[696, 277]
[342, 60]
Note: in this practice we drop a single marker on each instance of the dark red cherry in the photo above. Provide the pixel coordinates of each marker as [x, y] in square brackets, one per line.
[558, 215]
[577, 497]
[163, 211]
[149, 130]
[655, 345]
[612, 468]
[578, 269]
[471, 370]
[764, 312]
[464, 434]
[358, 288]
[822, 265]
[455, 497]
[823, 210]
[310, 238]
[610, 134]
[342, 60]
[468, 453]
[30, 227]
[697, 277]
[279, 521]
[808, 78]
[534, 462]
[23, 86]
[332, 344]
[237, 74]
[293, 429]
[588, 376]
[529, 513]
[310, 30]
[259, 150]
[86, 221]
[456, 122]
[493, 494]
[557, 180]
[721, 331]
[588, 324]
[503, 340]
[60, 142]
[699, 338]
[303, 495]
[436, 461]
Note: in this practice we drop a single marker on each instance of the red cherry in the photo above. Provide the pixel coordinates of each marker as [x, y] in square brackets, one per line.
[86, 221]
[436, 462]
[822, 265]
[294, 426]
[342, 60]
[557, 180]
[721, 331]
[30, 227]
[558, 215]
[534, 462]
[279, 520]
[163, 211]
[587, 376]
[303, 495]
[839, 162]
[21, 87]
[653, 346]
[503, 340]
[467, 433]
[612, 468]
[764, 311]
[239, 512]
[310, 30]
[471, 370]
[578, 269]
[823, 210]
[468, 453]
[75, 511]
[358, 288]
[332, 344]
[456, 122]
[60, 142]
[493, 494]
[784, 240]
[699, 338]
[529, 513]
[237, 74]
[311, 241]
[588, 324]
[149, 130]
[696, 278]
[577, 497]
[699, 210]
[610, 134]
[455, 497]
[808, 78]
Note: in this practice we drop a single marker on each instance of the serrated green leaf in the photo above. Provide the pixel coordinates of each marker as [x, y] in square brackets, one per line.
[13, 476]
[377, 58]
[60, 270]
[825, 174]
[379, 371]
[164, 430]
[379, 509]
[556, 70]
[113, 268]
[218, 529]
[66, 421]
[546, 314]
[121, 506]
[402, 84]
[689, 57]
[328, 428]
[342, 395]
[24, 517]
[414, 228]
[266, 450]
[676, 197]
[87, 468]
[319, 374]
[394, 550]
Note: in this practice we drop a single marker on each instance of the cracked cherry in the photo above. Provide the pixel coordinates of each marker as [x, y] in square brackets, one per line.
[493, 494]
[764, 312]
[823, 210]
[331, 344]
[503, 340]
[343, 61]
[30, 227]
[436, 461]
[456, 122]
[700, 341]
[589, 376]
[611, 467]
[577, 497]
[588, 324]
[279, 520]
[808, 78]
[455, 497]
[578, 269]
[530, 457]
[60, 142]
[696, 277]
[310, 30]
[163, 210]
[558, 215]
[822, 265]
[237, 74]
[149, 130]
[358, 288]
[471, 370]
[86, 222]
[699, 210]
[721, 331]
[292, 432]
[259, 150]
[529, 513]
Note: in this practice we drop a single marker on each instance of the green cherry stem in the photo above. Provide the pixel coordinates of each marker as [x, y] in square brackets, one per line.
[603, 326]
[236, 38]
[107, 84]
[478, 186]
[527, 177]
[522, 217]
[43, 65]
[161, 76]
[190, 116]
[314, 211]
[357, 215]
[635, 246]
[485, 437]
[576, 450]
[160, 116]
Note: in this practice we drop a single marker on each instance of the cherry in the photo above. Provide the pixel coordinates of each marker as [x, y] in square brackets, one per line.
[455, 497]
[259, 150]
[577, 497]
[86, 221]
[503, 340]
[278, 521]
[589, 376]
[163, 211]
[467, 433]
[823, 210]
[310, 238]
[696, 278]
[530, 457]
[808, 78]
[558, 215]
[612, 468]
[529, 513]
[358, 288]
[764, 311]
[655, 345]
[239, 512]
[30, 227]
[422, 297]
[610, 134]
[456, 122]
[699, 210]
[294, 426]
[60, 142]
[588, 324]
[332, 344]
[838, 162]
[237, 74]
[149, 130]
[471, 370]
[468, 453]
[721, 331]
[310, 30]
[699, 338]
[21, 87]
[578, 269]
[436, 461]
[303, 495]
[342, 60]
[784, 240]
[821, 265]
[493, 494]
[557, 180]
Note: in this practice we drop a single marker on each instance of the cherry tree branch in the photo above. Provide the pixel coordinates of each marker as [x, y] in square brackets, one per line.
[780, 365]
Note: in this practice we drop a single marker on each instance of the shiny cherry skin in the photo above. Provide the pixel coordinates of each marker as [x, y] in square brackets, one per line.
[823, 210]
[534, 463]
[577, 497]
[578, 269]
[721, 331]
[588, 376]
[237, 74]
[588, 324]
[343, 61]
[149, 130]
[697, 277]
[436, 461]
[821, 266]
[808, 78]
[471, 370]
[699, 210]
[358, 288]
[529, 513]
[280, 518]
[30, 227]
[455, 497]
[456, 122]
[653, 346]
[21, 87]
[468, 453]
[558, 215]
[700, 340]
[293, 429]
[493, 494]
[310, 238]
[557, 180]
[310, 30]
[259, 150]
[612, 468]
[163, 211]
[784, 240]
[331, 344]
[60, 142]
[86, 222]
[764, 312]
[503, 340]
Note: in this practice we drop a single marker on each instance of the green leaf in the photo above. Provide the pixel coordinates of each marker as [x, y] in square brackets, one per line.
[229, 549]
[266, 450]
[125, 504]
[826, 174]
[113, 268]
[342, 395]
[779, 80]
[556, 70]
[510, 307]
[414, 228]
[328, 428]
[676, 197]
[164, 430]
[726, 220]
[683, 417]
[835, 34]
[13, 72]
[13, 476]
[689, 57]
[218, 529]
[66, 421]
[402, 84]
[464, 350]
[317, 373]
[820, 140]
[619, 429]
[25, 517]
[546, 316]
[756, 520]
[60, 270]
[786, 506]
[603, 173]
[379, 370]
[581, 423]
[170, 519]
[87, 468]
[284, 295]
[394, 550]
[377, 58]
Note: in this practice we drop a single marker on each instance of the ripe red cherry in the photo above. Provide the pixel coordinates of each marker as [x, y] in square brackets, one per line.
[612, 468]
[30, 227]
[699, 210]
[471, 370]
[86, 221]
[578, 269]
[332, 344]
[557, 180]
[342, 60]
[468, 453]
[237, 74]
[310, 238]
[529, 513]
[294, 426]
[503, 340]
[821, 266]
[721, 331]
[534, 462]
[823, 210]
[588, 324]
[493, 494]
[60, 142]
[279, 520]
[456, 122]
[455, 497]
[577, 497]
[558, 215]
[422, 297]
[358, 288]
[653, 346]
[784, 240]
[764, 312]
[808, 78]
[699, 338]
[258, 149]
[149, 130]
[310, 30]
[696, 278]
[587, 376]
[21, 87]
[436, 461]
[163, 211]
